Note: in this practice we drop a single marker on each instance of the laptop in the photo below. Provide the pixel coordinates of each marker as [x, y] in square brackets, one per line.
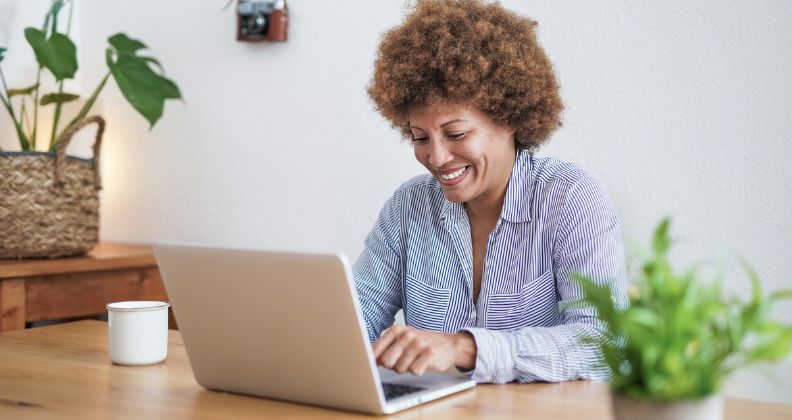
[284, 326]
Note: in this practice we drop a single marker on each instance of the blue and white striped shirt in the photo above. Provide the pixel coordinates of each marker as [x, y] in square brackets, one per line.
[556, 220]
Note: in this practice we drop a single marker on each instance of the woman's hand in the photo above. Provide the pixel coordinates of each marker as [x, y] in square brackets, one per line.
[407, 349]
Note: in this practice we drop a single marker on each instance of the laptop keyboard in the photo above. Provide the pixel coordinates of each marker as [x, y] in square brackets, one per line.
[397, 390]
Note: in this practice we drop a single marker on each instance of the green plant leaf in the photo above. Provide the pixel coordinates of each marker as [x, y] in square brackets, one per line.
[169, 89]
[661, 241]
[58, 54]
[52, 15]
[756, 287]
[782, 294]
[773, 343]
[139, 85]
[645, 317]
[2, 53]
[145, 89]
[680, 337]
[124, 44]
[155, 62]
[58, 98]
[23, 91]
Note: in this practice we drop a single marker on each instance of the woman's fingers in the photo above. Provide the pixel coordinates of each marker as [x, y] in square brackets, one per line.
[398, 340]
[405, 349]
[382, 343]
[425, 359]
[410, 352]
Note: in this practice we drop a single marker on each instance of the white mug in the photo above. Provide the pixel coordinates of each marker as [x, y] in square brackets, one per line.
[138, 332]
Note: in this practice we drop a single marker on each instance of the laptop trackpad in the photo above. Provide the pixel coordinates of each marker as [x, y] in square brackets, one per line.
[428, 380]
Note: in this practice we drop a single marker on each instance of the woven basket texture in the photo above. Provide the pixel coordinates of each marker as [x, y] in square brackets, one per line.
[41, 219]
[49, 202]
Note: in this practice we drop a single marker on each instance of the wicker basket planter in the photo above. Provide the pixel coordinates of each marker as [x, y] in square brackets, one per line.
[49, 204]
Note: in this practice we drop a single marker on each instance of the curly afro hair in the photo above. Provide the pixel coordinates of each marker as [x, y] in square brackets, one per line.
[469, 52]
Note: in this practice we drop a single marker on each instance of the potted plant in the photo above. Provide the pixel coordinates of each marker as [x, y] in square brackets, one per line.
[670, 351]
[49, 201]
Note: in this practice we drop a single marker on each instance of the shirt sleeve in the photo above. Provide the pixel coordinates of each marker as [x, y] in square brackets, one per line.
[378, 270]
[588, 241]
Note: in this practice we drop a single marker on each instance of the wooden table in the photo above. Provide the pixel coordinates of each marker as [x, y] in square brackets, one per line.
[45, 289]
[63, 371]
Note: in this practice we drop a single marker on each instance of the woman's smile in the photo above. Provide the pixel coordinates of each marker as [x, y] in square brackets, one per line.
[452, 177]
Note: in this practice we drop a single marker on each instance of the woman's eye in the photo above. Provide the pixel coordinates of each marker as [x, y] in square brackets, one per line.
[456, 136]
[419, 139]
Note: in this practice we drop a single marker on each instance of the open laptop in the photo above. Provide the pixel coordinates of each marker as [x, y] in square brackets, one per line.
[285, 326]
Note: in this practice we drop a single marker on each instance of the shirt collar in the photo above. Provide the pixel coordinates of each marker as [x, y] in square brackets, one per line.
[516, 203]
[452, 213]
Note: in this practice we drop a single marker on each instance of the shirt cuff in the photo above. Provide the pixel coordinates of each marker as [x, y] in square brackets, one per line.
[494, 359]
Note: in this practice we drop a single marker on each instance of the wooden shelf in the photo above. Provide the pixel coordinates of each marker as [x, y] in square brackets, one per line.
[105, 256]
[46, 289]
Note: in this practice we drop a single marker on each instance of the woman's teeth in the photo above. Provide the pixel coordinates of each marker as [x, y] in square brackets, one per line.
[454, 175]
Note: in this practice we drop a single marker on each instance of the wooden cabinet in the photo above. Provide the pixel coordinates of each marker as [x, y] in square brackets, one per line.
[46, 289]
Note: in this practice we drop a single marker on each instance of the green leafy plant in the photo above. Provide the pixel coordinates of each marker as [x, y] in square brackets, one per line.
[140, 78]
[680, 338]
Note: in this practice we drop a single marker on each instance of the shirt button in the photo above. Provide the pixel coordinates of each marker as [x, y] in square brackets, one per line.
[473, 315]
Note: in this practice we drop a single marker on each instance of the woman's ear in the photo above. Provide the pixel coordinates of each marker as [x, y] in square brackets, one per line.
[511, 132]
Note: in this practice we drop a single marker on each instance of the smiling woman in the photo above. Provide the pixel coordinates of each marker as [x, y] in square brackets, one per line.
[466, 145]
[480, 252]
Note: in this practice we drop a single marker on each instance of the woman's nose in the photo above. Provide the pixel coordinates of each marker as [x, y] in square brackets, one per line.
[439, 154]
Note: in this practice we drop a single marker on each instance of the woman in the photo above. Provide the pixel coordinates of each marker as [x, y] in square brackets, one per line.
[479, 253]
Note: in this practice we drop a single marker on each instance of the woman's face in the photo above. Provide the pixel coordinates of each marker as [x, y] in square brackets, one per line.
[470, 154]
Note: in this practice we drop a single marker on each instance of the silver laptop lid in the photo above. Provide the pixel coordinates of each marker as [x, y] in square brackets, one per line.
[231, 305]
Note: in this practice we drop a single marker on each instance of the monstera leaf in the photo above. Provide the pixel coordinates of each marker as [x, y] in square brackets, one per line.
[58, 54]
[144, 88]
[123, 43]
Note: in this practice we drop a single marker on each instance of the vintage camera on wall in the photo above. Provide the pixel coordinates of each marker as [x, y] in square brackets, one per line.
[262, 20]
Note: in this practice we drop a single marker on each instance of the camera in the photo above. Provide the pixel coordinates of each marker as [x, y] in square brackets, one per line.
[262, 20]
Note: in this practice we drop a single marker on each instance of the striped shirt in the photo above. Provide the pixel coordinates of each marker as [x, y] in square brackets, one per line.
[556, 220]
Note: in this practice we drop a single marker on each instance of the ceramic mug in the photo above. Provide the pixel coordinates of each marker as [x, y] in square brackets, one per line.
[138, 332]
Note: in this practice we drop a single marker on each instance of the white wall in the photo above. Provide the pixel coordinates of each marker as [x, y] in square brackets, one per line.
[682, 108]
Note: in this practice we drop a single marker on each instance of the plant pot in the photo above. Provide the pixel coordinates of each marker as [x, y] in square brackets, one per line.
[709, 408]
[49, 203]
